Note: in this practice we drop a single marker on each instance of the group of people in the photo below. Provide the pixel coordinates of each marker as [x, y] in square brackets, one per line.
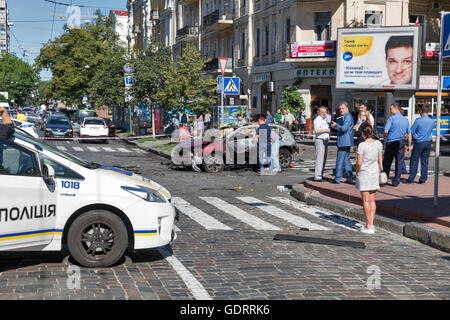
[370, 161]
[287, 119]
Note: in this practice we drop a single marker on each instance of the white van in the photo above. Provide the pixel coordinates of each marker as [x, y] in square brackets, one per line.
[49, 198]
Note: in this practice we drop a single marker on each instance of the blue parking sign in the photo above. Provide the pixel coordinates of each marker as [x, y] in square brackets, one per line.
[446, 35]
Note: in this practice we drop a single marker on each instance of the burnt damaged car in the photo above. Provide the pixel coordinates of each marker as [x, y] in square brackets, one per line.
[230, 146]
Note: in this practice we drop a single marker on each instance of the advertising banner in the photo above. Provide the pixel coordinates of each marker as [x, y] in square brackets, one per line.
[312, 49]
[378, 58]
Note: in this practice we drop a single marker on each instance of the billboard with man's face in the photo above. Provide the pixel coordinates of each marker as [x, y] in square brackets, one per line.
[381, 58]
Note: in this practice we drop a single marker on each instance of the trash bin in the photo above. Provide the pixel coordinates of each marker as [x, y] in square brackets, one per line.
[142, 131]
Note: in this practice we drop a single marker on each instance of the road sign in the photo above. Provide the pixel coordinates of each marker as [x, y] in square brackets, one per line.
[231, 85]
[223, 64]
[128, 81]
[446, 35]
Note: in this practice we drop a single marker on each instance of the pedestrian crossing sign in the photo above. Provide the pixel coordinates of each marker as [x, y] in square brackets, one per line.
[231, 85]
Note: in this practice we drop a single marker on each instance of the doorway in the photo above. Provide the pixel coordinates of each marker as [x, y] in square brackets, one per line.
[320, 96]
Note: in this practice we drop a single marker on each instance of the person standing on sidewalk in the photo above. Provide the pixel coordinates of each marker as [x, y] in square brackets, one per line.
[396, 128]
[368, 168]
[269, 118]
[289, 119]
[421, 131]
[263, 143]
[344, 127]
[322, 135]
[363, 108]
[364, 116]
[301, 126]
[277, 117]
[275, 149]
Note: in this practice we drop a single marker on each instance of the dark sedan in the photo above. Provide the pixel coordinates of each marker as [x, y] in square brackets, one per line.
[111, 127]
[58, 127]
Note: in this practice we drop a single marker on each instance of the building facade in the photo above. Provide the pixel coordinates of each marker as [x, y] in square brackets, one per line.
[120, 25]
[259, 36]
[4, 28]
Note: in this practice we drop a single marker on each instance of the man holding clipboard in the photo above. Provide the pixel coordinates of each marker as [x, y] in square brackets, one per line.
[344, 126]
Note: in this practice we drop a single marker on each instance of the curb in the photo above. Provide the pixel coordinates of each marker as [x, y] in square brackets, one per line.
[432, 237]
[152, 150]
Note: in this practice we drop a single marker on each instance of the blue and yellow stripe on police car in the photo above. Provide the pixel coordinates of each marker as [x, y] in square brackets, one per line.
[29, 234]
[145, 233]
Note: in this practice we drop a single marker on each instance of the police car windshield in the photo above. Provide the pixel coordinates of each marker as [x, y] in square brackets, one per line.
[42, 145]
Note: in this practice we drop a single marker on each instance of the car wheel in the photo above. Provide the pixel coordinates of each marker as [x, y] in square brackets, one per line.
[97, 238]
[285, 158]
[213, 163]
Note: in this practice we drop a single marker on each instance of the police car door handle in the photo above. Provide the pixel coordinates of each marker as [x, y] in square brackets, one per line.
[67, 194]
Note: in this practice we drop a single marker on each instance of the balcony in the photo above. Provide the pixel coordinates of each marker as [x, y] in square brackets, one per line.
[213, 66]
[219, 20]
[187, 2]
[187, 33]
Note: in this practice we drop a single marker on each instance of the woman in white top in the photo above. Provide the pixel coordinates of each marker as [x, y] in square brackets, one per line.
[368, 167]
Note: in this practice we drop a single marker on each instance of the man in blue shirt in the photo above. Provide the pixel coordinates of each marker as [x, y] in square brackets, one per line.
[344, 126]
[269, 118]
[396, 129]
[421, 132]
[264, 143]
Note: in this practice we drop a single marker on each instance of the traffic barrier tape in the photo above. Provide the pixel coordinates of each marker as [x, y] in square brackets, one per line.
[105, 138]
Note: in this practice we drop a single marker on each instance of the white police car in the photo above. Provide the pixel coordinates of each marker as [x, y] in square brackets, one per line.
[28, 127]
[51, 198]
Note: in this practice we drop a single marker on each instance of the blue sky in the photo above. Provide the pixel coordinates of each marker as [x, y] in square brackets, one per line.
[33, 21]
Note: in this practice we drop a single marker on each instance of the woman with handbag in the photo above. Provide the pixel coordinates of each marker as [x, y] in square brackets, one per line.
[368, 167]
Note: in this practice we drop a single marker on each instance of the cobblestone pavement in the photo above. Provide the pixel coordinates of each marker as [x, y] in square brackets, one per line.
[235, 259]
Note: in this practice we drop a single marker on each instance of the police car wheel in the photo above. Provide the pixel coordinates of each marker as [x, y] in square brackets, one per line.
[97, 238]
[213, 163]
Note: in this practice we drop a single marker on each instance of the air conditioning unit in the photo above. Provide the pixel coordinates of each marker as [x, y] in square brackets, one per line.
[435, 5]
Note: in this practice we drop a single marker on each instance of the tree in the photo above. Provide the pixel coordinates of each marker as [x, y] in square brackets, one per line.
[77, 56]
[150, 68]
[185, 86]
[292, 99]
[17, 77]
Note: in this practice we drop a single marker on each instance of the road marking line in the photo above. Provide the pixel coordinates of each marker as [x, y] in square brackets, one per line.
[240, 214]
[321, 213]
[93, 149]
[109, 149]
[77, 149]
[61, 148]
[123, 150]
[280, 213]
[196, 288]
[198, 215]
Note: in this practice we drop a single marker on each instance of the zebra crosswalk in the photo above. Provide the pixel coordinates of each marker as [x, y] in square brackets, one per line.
[98, 149]
[283, 214]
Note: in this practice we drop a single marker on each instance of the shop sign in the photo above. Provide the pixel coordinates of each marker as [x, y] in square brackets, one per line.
[431, 83]
[314, 72]
[263, 77]
[432, 50]
[312, 49]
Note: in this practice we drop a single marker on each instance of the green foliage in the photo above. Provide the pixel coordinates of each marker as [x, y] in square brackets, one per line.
[76, 57]
[185, 86]
[17, 77]
[148, 76]
[292, 99]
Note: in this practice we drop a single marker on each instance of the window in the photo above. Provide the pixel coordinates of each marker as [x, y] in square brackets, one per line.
[206, 51]
[222, 47]
[242, 46]
[373, 18]
[207, 9]
[257, 42]
[232, 47]
[274, 37]
[15, 160]
[322, 26]
[266, 41]
[287, 30]
[214, 50]
[419, 20]
[60, 170]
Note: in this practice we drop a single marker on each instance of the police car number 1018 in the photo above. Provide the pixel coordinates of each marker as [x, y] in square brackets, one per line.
[106, 211]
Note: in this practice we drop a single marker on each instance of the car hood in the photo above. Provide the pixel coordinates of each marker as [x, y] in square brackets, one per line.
[58, 126]
[128, 178]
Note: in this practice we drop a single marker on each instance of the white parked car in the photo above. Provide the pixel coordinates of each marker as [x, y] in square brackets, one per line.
[94, 127]
[28, 127]
[51, 198]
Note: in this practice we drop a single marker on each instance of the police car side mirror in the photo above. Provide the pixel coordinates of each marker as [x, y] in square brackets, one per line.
[48, 174]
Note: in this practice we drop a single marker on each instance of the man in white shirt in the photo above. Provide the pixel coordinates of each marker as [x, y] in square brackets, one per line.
[322, 135]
